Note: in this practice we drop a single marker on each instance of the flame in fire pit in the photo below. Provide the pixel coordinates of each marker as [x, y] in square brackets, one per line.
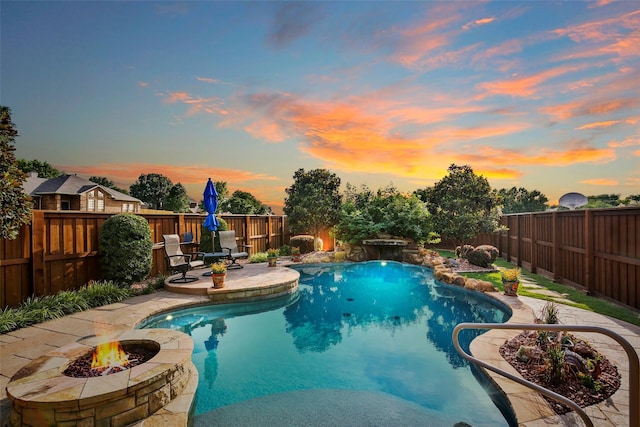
[109, 355]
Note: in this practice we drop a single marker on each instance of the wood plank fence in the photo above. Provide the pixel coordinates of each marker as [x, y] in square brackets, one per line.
[597, 250]
[59, 250]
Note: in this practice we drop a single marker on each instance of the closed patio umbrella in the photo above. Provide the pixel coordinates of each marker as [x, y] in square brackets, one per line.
[211, 205]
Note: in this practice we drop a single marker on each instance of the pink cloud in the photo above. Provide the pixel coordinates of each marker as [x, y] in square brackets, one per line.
[524, 86]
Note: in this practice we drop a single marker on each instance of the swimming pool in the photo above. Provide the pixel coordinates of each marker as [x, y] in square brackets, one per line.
[359, 344]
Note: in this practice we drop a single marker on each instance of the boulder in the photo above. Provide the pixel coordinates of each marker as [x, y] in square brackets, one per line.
[479, 257]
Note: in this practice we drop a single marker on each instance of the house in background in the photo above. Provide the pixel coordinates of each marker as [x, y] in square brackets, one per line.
[70, 192]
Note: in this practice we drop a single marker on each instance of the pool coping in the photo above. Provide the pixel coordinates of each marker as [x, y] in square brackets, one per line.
[20, 347]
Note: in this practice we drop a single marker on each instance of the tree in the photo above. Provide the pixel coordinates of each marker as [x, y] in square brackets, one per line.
[106, 182]
[518, 200]
[313, 201]
[177, 200]
[364, 214]
[632, 200]
[15, 204]
[462, 205]
[43, 169]
[242, 202]
[602, 201]
[152, 189]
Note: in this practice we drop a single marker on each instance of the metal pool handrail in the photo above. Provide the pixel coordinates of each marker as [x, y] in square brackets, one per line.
[634, 363]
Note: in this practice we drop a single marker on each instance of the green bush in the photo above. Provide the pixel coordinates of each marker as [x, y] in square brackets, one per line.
[97, 294]
[365, 214]
[304, 242]
[126, 248]
[258, 257]
[40, 309]
[206, 244]
[285, 250]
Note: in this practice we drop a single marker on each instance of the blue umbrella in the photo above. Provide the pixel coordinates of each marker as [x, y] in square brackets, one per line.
[211, 205]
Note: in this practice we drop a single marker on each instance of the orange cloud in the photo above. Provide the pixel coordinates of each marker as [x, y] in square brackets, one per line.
[125, 174]
[478, 22]
[590, 107]
[575, 153]
[524, 86]
[599, 125]
[600, 181]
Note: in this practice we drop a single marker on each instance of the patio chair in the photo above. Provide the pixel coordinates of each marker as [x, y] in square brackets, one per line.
[179, 262]
[230, 247]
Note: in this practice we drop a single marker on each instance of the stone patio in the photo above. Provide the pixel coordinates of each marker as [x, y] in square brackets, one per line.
[255, 281]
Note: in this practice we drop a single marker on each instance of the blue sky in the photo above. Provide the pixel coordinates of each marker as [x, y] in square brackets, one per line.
[544, 95]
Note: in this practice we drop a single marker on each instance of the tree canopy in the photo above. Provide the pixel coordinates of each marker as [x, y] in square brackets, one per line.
[15, 204]
[242, 202]
[177, 200]
[519, 200]
[152, 189]
[313, 201]
[365, 213]
[462, 205]
[106, 182]
[43, 169]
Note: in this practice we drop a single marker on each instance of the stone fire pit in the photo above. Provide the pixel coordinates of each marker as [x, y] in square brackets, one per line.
[41, 394]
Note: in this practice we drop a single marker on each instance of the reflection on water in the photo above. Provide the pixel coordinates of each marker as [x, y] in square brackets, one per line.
[389, 295]
[384, 327]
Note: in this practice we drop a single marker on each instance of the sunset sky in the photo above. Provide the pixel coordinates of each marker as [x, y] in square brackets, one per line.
[543, 95]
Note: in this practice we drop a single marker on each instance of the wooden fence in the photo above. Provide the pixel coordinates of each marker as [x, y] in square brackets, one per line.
[59, 250]
[595, 250]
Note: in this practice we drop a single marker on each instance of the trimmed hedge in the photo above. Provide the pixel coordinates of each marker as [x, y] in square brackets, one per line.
[126, 248]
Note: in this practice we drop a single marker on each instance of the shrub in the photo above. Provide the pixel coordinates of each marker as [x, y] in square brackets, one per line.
[206, 243]
[285, 250]
[479, 257]
[304, 241]
[35, 310]
[97, 294]
[492, 250]
[258, 257]
[126, 248]
[463, 251]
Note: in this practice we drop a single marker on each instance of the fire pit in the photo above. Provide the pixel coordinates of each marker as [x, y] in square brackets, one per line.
[61, 387]
[112, 357]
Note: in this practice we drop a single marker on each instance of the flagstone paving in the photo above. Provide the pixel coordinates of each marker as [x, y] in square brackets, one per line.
[19, 348]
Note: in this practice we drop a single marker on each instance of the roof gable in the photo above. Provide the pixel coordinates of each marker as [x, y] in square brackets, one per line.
[72, 185]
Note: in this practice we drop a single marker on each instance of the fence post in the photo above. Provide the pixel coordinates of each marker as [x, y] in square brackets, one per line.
[270, 234]
[181, 225]
[555, 244]
[588, 245]
[519, 240]
[534, 249]
[247, 220]
[37, 250]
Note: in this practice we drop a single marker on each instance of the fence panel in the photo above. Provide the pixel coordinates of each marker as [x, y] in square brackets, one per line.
[597, 250]
[15, 269]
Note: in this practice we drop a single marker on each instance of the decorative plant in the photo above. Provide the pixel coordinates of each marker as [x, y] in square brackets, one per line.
[272, 253]
[295, 250]
[510, 275]
[218, 267]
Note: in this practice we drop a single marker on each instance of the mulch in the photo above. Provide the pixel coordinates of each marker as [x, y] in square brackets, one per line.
[571, 387]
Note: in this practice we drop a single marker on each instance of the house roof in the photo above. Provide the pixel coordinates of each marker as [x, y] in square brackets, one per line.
[69, 185]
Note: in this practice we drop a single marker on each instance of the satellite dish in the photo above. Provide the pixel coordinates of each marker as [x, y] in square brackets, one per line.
[573, 200]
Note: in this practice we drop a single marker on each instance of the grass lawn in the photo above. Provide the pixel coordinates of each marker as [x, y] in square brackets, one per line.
[577, 297]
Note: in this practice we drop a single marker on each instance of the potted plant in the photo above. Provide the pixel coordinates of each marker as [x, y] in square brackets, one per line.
[218, 274]
[272, 257]
[295, 254]
[510, 280]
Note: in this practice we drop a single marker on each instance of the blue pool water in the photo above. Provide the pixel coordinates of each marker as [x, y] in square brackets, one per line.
[366, 337]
